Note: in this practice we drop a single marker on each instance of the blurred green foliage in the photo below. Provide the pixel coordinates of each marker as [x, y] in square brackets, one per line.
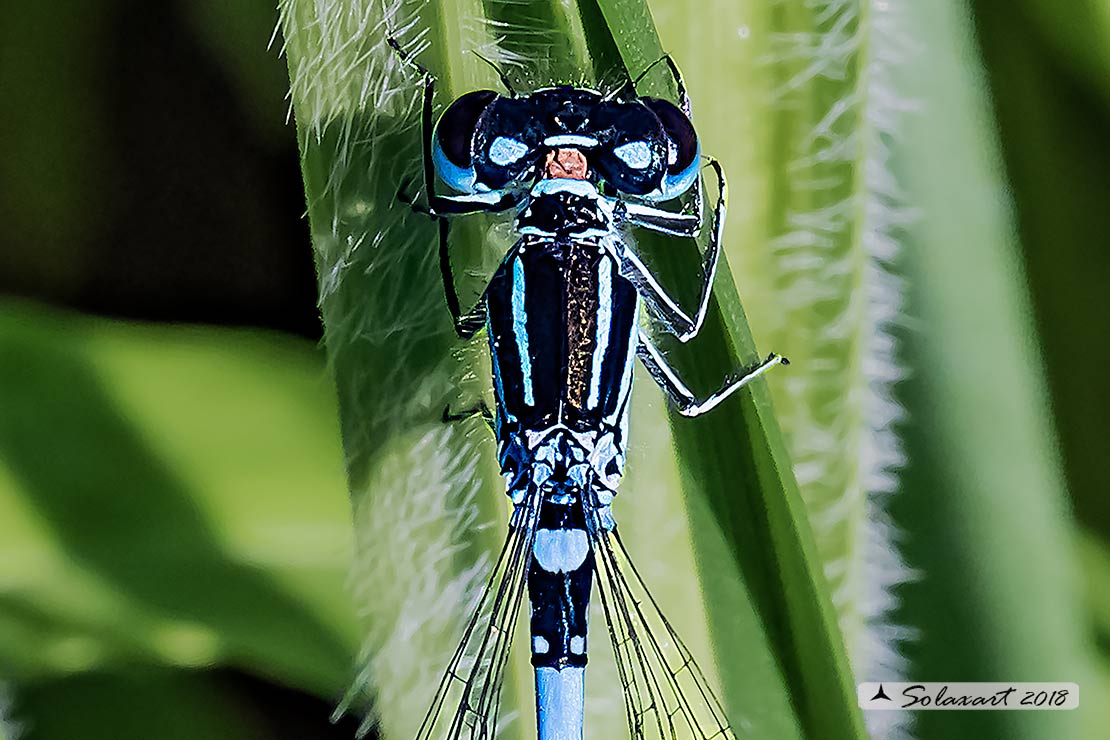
[172, 499]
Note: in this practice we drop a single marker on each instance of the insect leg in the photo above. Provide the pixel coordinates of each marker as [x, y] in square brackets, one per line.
[688, 404]
[505, 81]
[674, 318]
[481, 410]
[680, 84]
[676, 74]
[470, 323]
[660, 220]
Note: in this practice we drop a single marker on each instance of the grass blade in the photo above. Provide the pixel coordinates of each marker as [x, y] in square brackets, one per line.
[735, 461]
[797, 101]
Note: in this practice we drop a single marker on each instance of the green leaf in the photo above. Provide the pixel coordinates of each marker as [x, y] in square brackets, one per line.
[9, 728]
[1051, 118]
[795, 100]
[983, 498]
[737, 460]
[422, 532]
[166, 500]
[139, 704]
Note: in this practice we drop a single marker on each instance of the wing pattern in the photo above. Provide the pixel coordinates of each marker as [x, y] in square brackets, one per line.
[666, 694]
[471, 685]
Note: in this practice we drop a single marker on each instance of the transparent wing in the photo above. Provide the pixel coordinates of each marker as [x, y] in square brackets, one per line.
[468, 699]
[666, 695]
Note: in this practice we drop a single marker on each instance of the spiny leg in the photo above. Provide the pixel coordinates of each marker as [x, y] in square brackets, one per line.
[467, 324]
[688, 404]
[660, 303]
[482, 410]
[676, 74]
[505, 81]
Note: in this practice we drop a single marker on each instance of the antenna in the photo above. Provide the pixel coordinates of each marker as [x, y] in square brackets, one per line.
[500, 74]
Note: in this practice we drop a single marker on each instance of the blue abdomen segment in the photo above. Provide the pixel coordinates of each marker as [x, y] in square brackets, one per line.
[559, 581]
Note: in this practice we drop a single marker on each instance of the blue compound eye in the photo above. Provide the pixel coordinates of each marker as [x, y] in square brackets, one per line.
[453, 141]
[632, 154]
[683, 148]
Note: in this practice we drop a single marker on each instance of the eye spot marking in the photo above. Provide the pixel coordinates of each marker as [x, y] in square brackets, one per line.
[505, 151]
[635, 154]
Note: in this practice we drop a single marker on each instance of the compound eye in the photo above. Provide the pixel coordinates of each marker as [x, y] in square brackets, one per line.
[683, 148]
[632, 152]
[453, 141]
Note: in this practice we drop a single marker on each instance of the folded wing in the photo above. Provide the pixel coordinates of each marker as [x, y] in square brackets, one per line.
[467, 701]
[666, 695]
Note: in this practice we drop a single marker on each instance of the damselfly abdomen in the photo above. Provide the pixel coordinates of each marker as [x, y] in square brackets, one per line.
[576, 168]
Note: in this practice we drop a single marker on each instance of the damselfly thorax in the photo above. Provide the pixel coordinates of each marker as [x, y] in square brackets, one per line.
[562, 321]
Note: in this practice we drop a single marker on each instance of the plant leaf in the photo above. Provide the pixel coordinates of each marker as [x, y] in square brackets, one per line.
[736, 460]
[983, 497]
[202, 552]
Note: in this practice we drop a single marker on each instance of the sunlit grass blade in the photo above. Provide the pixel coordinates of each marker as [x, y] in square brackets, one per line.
[796, 100]
[8, 727]
[735, 461]
[423, 533]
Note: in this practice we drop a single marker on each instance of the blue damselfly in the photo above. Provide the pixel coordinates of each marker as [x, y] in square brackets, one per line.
[576, 168]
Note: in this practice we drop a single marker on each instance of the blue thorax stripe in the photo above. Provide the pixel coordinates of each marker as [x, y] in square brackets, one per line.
[520, 330]
[604, 312]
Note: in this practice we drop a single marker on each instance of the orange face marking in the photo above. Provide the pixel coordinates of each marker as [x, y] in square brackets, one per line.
[565, 164]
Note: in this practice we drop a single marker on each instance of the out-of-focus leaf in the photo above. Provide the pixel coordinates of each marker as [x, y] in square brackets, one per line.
[231, 31]
[139, 704]
[53, 139]
[145, 702]
[169, 496]
[1052, 121]
[1077, 33]
[9, 729]
[1094, 557]
[983, 500]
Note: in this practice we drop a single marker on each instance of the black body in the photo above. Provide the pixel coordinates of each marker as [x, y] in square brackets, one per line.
[562, 310]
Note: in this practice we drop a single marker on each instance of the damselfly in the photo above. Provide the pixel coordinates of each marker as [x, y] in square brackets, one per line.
[576, 168]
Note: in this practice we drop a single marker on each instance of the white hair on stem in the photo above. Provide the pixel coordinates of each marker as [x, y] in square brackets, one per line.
[418, 572]
[836, 269]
